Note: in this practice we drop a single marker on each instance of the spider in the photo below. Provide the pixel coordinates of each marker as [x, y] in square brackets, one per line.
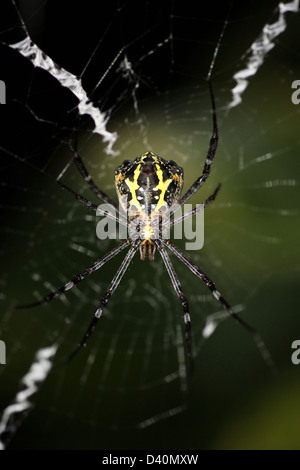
[149, 190]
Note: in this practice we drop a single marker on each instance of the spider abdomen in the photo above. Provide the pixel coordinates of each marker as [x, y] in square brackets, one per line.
[148, 184]
[147, 188]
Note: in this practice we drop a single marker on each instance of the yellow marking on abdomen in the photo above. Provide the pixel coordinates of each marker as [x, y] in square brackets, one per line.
[163, 186]
[133, 186]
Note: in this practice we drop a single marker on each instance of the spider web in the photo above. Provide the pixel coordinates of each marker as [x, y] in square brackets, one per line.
[130, 80]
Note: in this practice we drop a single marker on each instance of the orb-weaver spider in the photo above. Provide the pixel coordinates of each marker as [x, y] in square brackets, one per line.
[147, 186]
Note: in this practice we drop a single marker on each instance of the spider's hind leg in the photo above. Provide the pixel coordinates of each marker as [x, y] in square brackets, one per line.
[87, 177]
[210, 153]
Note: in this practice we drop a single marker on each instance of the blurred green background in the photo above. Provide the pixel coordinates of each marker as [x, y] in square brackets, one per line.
[128, 388]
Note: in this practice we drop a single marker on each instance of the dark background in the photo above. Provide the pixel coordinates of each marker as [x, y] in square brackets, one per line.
[124, 377]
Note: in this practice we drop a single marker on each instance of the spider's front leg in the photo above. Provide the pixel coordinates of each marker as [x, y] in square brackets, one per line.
[179, 291]
[105, 299]
[211, 286]
[79, 277]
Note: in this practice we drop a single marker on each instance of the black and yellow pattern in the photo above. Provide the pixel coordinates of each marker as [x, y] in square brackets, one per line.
[148, 187]
[149, 184]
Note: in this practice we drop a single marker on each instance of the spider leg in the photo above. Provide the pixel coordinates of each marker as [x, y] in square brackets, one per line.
[109, 292]
[79, 277]
[92, 206]
[201, 207]
[87, 177]
[210, 154]
[178, 289]
[210, 284]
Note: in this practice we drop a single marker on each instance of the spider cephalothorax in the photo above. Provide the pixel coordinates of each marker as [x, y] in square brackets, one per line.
[148, 188]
